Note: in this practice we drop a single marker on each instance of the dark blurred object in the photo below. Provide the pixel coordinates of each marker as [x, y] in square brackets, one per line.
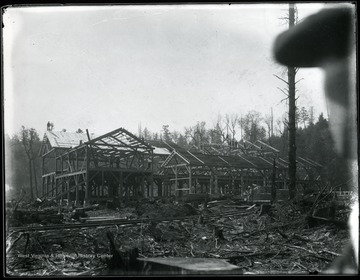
[317, 39]
[327, 40]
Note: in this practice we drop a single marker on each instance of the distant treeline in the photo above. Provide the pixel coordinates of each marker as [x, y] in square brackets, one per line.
[314, 141]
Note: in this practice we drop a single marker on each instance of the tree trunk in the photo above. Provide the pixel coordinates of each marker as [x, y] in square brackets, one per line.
[292, 124]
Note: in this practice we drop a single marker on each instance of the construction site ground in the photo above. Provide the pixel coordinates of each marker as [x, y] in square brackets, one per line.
[256, 237]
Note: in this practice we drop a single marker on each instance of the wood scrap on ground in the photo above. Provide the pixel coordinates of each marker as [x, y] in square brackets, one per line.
[233, 230]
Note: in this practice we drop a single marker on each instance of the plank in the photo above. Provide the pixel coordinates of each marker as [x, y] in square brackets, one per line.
[193, 264]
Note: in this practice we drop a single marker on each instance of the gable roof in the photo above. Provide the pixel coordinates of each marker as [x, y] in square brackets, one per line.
[160, 147]
[120, 139]
[61, 139]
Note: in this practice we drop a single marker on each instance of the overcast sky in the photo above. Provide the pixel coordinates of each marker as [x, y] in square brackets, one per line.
[105, 67]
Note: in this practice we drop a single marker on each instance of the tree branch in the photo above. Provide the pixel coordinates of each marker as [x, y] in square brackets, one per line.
[283, 91]
[281, 79]
[299, 80]
[284, 99]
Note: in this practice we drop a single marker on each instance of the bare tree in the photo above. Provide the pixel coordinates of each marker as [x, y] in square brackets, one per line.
[231, 124]
[140, 131]
[290, 92]
[166, 133]
[197, 134]
[175, 136]
[28, 139]
[219, 131]
[304, 116]
[292, 122]
[156, 136]
[311, 115]
[253, 130]
[269, 121]
[146, 134]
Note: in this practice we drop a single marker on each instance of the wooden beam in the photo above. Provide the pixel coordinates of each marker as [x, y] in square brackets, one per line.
[70, 174]
[179, 165]
[180, 178]
[135, 147]
[224, 160]
[195, 157]
[49, 152]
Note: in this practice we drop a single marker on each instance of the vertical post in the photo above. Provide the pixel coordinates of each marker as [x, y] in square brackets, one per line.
[142, 186]
[62, 189]
[52, 185]
[121, 189]
[68, 191]
[242, 179]
[42, 173]
[160, 187]
[102, 184]
[152, 175]
[216, 183]
[273, 185]
[238, 186]
[56, 161]
[45, 192]
[51, 191]
[76, 195]
[149, 188]
[77, 160]
[152, 185]
[176, 180]
[190, 182]
[87, 185]
[264, 180]
[44, 182]
[127, 193]
[62, 165]
[47, 189]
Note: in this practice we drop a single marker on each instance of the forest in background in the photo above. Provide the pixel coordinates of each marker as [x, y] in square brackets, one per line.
[313, 141]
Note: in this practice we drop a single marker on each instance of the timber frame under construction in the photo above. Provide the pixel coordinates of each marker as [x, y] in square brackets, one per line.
[119, 167]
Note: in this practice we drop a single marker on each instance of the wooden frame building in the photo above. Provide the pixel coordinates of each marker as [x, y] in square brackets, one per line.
[115, 166]
[119, 167]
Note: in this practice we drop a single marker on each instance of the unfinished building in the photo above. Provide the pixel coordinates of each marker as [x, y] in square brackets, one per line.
[119, 167]
[82, 168]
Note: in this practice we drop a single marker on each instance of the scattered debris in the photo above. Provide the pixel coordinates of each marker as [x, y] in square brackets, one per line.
[253, 238]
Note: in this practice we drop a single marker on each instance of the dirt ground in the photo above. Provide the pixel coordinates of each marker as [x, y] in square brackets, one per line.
[258, 239]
